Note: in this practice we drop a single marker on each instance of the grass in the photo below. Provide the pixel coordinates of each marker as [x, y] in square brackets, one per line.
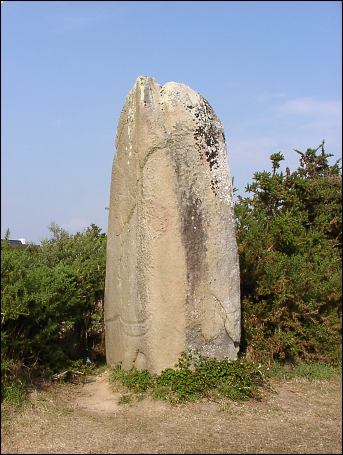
[195, 377]
[242, 427]
[309, 370]
[14, 387]
[15, 392]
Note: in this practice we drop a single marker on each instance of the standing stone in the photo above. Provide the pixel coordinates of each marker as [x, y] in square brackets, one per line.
[172, 274]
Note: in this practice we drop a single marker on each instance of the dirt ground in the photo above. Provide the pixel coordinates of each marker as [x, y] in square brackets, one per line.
[297, 416]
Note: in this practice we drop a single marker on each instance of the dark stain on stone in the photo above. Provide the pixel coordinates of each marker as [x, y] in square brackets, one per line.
[193, 238]
[191, 214]
[214, 185]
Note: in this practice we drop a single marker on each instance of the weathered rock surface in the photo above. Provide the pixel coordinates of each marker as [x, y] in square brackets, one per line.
[172, 274]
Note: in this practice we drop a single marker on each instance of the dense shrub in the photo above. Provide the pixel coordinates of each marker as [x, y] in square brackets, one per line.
[52, 299]
[289, 238]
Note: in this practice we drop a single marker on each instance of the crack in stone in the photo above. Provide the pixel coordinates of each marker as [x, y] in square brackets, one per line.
[225, 319]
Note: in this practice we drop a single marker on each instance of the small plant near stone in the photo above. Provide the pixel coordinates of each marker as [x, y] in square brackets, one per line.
[135, 380]
[195, 377]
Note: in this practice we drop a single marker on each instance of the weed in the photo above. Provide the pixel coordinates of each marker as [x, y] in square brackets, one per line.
[14, 392]
[13, 384]
[135, 380]
[194, 377]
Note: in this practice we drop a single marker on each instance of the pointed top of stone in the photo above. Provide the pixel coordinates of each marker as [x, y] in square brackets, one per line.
[143, 79]
[170, 86]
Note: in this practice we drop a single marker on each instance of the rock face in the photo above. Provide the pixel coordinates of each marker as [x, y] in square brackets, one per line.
[172, 274]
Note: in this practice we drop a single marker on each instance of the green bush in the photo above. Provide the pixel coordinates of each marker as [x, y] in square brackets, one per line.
[52, 300]
[289, 233]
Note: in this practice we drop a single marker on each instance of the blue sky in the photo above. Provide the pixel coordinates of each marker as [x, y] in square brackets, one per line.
[272, 71]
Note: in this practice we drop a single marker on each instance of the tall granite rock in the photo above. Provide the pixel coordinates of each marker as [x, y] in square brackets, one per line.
[172, 274]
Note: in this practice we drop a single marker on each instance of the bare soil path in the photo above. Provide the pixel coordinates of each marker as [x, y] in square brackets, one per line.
[298, 417]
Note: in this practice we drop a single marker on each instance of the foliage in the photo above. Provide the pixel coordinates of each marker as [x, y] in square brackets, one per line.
[52, 297]
[194, 377]
[289, 233]
[135, 380]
